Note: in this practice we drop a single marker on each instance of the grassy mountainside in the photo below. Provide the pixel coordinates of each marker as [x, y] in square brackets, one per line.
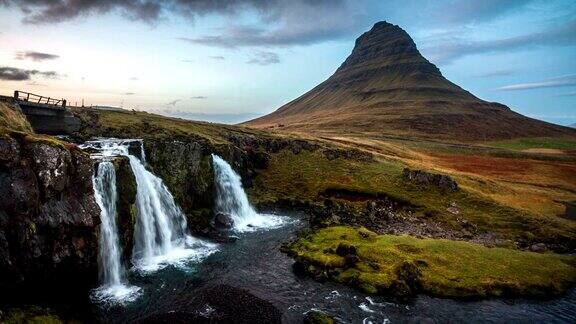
[387, 87]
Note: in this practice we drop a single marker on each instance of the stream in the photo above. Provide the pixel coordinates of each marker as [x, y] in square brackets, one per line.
[254, 262]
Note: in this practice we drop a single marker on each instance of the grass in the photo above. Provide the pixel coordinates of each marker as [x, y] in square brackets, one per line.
[132, 124]
[308, 176]
[536, 142]
[435, 266]
[12, 119]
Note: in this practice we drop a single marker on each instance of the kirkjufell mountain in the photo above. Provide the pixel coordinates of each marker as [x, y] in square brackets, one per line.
[386, 87]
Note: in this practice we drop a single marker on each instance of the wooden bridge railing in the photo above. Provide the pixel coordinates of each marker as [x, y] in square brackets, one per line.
[27, 96]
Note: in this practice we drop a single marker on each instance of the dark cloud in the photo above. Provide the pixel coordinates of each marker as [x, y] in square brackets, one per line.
[562, 81]
[450, 50]
[264, 58]
[35, 56]
[198, 97]
[218, 57]
[16, 74]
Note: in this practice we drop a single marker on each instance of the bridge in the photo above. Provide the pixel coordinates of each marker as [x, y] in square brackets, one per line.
[47, 115]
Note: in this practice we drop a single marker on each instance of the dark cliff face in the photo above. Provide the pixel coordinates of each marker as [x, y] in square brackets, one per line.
[48, 215]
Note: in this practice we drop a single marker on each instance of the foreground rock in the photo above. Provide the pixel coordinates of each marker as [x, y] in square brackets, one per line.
[221, 304]
[48, 215]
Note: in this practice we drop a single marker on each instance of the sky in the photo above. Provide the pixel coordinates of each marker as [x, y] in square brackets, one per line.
[230, 61]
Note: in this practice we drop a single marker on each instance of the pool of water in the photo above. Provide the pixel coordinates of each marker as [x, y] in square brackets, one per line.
[255, 263]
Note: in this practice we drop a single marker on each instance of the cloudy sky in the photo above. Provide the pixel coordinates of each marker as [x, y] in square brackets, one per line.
[229, 61]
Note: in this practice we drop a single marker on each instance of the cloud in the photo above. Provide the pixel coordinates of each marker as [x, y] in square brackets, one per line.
[35, 56]
[569, 94]
[129, 93]
[562, 81]
[453, 49]
[466, 11]
[173, 103]
[188, 61]
[496, 73]
[198, 97]
[134, 79]
[218, 57]
[16, 74]
[264, 58]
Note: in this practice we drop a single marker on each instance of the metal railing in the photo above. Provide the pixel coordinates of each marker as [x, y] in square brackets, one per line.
[30, 97]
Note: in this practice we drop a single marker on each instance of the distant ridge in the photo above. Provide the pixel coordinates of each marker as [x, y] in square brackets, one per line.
[386, 87]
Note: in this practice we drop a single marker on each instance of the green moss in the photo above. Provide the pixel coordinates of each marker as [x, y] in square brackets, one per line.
[399, 264]
[30, 315]
[317, 317]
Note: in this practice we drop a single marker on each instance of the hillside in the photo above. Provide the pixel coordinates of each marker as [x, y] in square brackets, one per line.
[386, 87]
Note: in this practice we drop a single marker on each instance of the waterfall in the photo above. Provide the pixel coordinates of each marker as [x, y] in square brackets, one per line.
[161, 237]
[111, 270]
[231, 200]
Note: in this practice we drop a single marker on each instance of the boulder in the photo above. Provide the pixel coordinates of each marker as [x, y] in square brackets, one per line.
[223, 220]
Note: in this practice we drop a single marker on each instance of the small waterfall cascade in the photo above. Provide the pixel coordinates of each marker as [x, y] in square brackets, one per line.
[231, 199]
[111, 271]
[160, 236]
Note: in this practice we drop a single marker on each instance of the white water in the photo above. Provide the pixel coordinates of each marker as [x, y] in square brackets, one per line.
[111, 271]
[232, 200]
[161, 236]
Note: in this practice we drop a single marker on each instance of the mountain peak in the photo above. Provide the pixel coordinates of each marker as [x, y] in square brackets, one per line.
[386, 86]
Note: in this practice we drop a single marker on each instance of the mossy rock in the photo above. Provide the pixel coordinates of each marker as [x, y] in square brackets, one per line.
[405, 266]
[318, 317]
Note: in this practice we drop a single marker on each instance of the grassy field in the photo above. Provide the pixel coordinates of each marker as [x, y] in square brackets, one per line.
[308, 175]
[521, 144]
[438, 267]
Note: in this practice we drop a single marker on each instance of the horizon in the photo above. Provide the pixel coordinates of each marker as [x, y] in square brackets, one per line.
[189, 60]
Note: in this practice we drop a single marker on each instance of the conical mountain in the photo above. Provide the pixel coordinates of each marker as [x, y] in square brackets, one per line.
[386, 87]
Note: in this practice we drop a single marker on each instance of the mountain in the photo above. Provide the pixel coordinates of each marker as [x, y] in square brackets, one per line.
[573, 125]
[386, 87]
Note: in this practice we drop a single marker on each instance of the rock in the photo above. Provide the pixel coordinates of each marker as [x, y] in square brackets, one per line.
[351, 260]
[442, 182]
[48, 214]
[538, 247]
[222, 220]
[345, 249]
[570, 212]
[219, 304]
[317, 317]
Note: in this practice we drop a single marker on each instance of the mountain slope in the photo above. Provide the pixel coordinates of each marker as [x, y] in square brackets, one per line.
[387, 87]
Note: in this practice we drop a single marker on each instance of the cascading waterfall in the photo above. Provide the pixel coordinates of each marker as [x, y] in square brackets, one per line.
[111, 270]
[161, 236]
[232, 200]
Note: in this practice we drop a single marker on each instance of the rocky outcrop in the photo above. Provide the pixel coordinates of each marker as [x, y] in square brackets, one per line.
[440, 181]
[125, 206]
[48, 215]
